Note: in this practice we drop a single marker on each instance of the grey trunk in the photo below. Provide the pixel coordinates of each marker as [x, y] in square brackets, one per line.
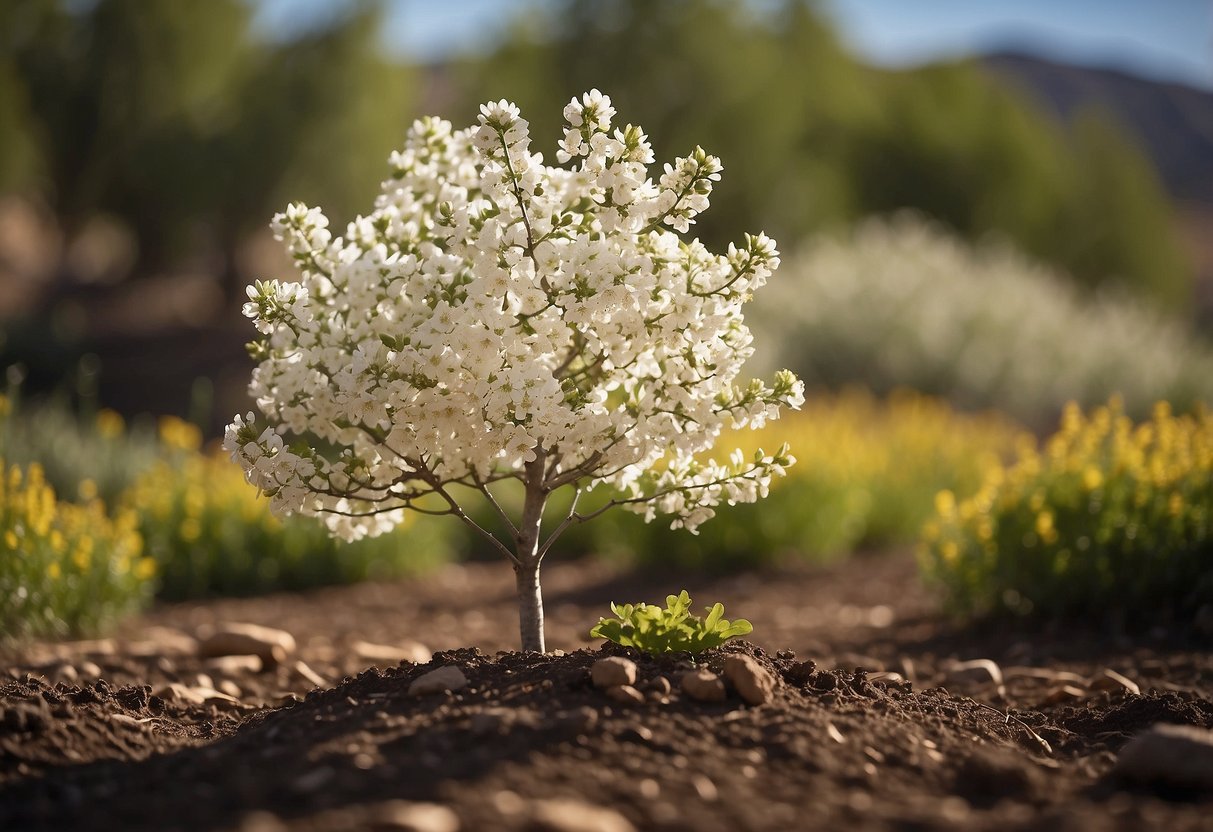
[530, 607]
[526, 570]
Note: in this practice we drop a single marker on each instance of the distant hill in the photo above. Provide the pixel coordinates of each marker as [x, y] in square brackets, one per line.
[1172, 123]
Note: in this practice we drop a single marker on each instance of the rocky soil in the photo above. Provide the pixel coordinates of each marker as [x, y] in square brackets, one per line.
[854, 705]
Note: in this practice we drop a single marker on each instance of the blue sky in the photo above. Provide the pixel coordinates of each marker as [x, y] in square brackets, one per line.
[1163, 39]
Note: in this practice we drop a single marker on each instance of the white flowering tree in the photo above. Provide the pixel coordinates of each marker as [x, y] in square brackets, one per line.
[495, 318]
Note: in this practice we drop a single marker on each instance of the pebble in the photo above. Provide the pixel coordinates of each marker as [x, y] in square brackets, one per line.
[232, 639]
[161, 641]
[704, 686]
[405, 651]
[613, 671]
[569, 815]
[754, 683]
[239, 663]
[177, 692]
[405, 816]
[1173, 755]
[704, 787]
[625, 694]
[659, 685]
[448, 678]
[89, 669]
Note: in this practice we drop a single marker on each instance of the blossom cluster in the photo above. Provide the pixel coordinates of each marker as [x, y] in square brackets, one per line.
[496, 317]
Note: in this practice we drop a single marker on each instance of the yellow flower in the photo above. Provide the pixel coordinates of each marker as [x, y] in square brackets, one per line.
[53, 571]
[1044, 527]
[945, 503]
[1092, 478]
[179, 434]
[1175, 505]
[110, 424]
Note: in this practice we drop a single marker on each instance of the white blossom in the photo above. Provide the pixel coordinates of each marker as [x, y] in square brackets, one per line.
[494, 316]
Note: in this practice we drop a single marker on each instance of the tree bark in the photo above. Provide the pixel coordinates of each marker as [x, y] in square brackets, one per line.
[526, 570]
[530, 606]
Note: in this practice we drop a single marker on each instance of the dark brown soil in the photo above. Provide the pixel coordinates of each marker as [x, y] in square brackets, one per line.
[883, 718]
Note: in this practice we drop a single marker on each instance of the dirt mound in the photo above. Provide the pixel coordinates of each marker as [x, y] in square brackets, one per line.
[1024, 739]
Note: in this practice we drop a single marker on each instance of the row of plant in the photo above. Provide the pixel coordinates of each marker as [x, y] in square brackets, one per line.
[1103, 516]
[96, 523]
[64, 567]
[902, 302]
[1108, 518]
[866, 470]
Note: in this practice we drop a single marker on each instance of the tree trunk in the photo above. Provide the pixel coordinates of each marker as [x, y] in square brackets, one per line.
[526, 570]
[530, 607]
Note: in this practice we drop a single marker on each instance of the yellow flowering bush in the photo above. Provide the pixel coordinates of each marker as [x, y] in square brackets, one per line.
[64, 568]
[865, 475]
[212, 534]
[1108, 517]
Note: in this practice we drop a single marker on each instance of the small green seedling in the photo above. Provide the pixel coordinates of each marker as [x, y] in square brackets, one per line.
[652, 629]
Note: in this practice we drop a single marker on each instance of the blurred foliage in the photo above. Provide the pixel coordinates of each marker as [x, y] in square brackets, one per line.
[212, 534]
[903, 302]
[65, 569]
[865, 476]
[174, 118]
[206, 530]
[812, 139]
[1109, 519]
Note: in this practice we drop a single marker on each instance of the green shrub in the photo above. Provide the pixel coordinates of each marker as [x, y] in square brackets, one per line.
[203, 526]
[212, 534]
[1110, 518]
[903, 303]
[65, 569]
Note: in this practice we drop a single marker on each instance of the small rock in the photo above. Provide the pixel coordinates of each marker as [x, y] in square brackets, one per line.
[448, 678]
[162, 641]
[753, 682]
[613, 671]
[703, 685]
[405, 651]
[704, 787]
[1064, 693]
[64, 672]
[404, 816]
[659, 685]
[90, 670]
[1111, 680]
[233, 639]
[232, 665]
[177, 692]
[625, 694]
[569, 815]
[1169, 755]
[578, 720]
[230, 688]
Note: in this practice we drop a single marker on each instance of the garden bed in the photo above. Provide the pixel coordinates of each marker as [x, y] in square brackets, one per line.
[885, 716]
